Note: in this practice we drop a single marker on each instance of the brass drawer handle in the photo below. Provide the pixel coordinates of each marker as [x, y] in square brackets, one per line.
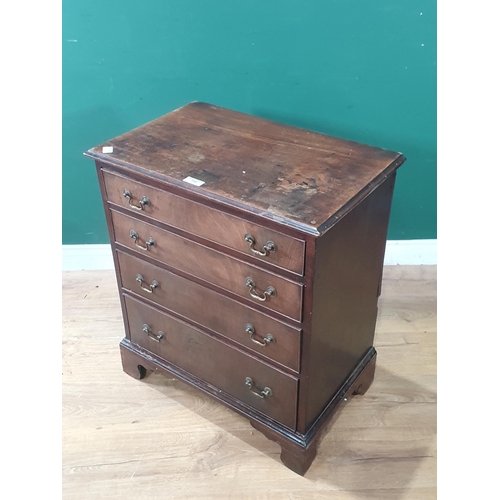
[270, 291]
[135, 236]
[264, 393]
[144, 201]
[147, 288]
[151, 335]
[270, 246]
[268, 339]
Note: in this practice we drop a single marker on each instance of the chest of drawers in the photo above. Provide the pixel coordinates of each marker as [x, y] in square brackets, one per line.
[249, 259]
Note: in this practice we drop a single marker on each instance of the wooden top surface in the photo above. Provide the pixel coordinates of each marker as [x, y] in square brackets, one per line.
[300, 178]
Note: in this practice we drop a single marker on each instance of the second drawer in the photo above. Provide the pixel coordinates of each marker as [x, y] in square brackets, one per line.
[214, 311]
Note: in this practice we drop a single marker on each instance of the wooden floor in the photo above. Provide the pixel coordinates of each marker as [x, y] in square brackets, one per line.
[160, 439]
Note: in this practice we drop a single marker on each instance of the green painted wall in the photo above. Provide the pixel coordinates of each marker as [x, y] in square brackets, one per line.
[358, 69]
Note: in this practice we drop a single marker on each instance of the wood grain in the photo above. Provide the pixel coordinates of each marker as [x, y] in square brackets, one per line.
[213, 361]
[280, 172]
[213, 225]
[348, 269]
[220, 314]
[158, 438]
[213, 267]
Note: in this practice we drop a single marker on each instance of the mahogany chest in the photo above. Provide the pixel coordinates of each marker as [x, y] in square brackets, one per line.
[249, 260]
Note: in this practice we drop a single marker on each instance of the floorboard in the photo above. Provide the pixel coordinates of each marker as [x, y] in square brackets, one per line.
[160, 439]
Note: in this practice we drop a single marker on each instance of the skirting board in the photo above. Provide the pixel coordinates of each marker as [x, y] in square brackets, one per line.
[397, 252]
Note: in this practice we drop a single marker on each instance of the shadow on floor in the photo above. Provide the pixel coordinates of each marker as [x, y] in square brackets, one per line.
[372, 448]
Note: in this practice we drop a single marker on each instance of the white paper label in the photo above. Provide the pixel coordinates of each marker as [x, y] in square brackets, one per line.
[107, 149]
[194, 181]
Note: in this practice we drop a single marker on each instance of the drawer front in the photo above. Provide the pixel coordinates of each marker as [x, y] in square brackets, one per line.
[215, 311]
[208, 223]
[213, 361]
[212, 266]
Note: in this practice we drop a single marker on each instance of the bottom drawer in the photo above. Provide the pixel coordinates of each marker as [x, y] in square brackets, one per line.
[213, 361]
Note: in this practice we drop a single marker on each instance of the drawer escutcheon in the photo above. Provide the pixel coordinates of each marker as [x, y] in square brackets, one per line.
[270, 246]
[270, 291]
[147, 288]
[268, 339]
[151, 335]
[143, 203]
[135, 236]
[264, 393]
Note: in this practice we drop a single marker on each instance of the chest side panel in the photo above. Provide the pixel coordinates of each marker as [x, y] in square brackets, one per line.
[348, 270]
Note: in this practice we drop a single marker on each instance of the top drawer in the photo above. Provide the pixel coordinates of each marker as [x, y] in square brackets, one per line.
[270, 246]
